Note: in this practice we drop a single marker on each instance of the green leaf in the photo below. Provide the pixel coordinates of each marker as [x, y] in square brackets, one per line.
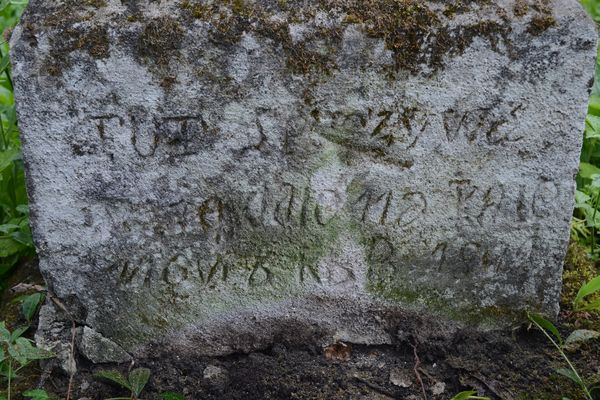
[4, 333]
[586, 170]
[30, 305]
[138, 379]
[171, 396]
[4, 4]
[37, 394]
[543, 323]
[467, 395]
[570, 374]
[7, 371]
[8, 156]
[592, 127]
[592, 306]
[587, 289]
[22, 237]
[581, 197]
[23, 209]
[6, 228]
[24, 352]
[17, 333]
[4, 63]
[8, 247]
[115, 377]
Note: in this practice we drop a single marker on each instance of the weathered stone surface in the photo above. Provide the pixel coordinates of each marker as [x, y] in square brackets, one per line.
[99, 349]
[224, 174]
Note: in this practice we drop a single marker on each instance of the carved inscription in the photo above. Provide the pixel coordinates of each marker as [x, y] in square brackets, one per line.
[463, 257]
[391, 208]
[482, 205]
[309, 202]
[486, 124]
[384, 133]
[388, 134]
[182, 134]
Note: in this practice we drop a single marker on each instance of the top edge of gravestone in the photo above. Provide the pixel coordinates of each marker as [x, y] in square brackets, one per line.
[421, 35]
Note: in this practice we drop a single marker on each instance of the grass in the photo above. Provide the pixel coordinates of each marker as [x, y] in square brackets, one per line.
[586, 220]
[15, 234]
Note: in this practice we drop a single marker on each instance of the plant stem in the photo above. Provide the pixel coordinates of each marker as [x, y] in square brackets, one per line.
[2, 135]
[9, 376]
[8, 77]
[594, 226]
[580, 381]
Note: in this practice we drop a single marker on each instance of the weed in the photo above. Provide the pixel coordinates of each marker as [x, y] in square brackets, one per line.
[16, 352]
[15, 234]
[171, 396]
[135, 381]
[574, 339]
[37, 394]
[30, 305]
[469, 395]
[582, 301]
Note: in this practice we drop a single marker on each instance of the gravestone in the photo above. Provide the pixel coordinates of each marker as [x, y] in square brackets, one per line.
[219, 175]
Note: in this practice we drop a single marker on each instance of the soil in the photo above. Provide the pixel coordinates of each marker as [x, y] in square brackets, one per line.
[517, 363]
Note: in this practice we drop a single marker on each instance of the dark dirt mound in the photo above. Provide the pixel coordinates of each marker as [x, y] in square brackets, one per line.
[514, 364]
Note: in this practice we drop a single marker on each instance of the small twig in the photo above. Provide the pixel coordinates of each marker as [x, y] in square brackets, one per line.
[483, 381]
[24, 287]
[428, 375]
[10, 372]
[416, 370]
[72, 345]
[71, 359]
[376, 387]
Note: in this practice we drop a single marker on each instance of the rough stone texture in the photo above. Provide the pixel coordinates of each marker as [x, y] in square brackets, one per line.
[225, 174]
[99, 349]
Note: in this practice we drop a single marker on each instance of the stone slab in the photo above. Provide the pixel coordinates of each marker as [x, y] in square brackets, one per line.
[222, 174]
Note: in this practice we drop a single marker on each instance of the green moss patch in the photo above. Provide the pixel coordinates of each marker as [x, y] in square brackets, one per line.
[94, 41]
[578, 270]
[541, 23]
[160, 40]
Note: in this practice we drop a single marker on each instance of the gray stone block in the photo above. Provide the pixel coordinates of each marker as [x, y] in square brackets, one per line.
[220, 175]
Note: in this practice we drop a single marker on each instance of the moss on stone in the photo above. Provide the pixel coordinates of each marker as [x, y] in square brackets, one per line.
[541, 23]
[160, 39]
[416, 34]
[521, 8]
[435, 302]
[578, 270]
[94, 41]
